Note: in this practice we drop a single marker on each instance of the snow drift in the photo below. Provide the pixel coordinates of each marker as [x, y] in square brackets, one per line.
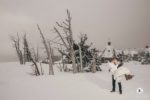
[17, 83]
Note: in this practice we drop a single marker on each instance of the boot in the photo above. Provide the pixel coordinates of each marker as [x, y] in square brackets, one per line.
[120, 87]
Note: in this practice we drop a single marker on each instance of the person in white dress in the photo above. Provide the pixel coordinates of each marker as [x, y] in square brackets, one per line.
[118, 72]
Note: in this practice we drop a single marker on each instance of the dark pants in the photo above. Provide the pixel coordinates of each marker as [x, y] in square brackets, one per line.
[114, 85]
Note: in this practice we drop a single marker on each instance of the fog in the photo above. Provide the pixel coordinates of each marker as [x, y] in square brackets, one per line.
[126, 23]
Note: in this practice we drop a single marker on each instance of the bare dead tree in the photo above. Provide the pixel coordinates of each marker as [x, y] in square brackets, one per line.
[62, 57]
[30, 56]
[67, 28]
[26, 49]
[16, 44]
[42, 71]
[51, 72]
[37, 54]
[94, 62]
[34, 54]
[33, 60]
[81, 63]
[50, 50]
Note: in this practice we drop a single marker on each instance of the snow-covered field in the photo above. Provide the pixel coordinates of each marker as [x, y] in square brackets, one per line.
[17, 83]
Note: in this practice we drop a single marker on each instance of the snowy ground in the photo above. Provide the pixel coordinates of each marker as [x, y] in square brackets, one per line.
[16, 83]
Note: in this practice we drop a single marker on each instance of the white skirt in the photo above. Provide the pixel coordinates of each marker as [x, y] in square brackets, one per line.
[120, 72]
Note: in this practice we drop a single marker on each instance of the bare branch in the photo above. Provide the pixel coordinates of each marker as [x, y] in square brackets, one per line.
[63, 53]
[63, 27]
[55, 38]
[57, 43]
[65, 23]
[61, 37]
[16, 41]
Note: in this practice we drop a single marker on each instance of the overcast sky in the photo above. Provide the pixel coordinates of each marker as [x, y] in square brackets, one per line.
[125, 22]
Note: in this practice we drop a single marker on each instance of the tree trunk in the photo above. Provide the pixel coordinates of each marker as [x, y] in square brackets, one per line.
[21, 58]
[37, 54]
[73, 61]
[51, 72]
[37, 72]
[93, 64]
[63, 64]
[81, 63]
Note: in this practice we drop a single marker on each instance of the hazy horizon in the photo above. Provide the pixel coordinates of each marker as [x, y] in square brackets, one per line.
[126, 23]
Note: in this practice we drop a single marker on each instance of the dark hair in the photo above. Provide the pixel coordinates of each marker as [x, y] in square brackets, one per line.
[109, 43]
[120, 64]
[116, 59]
[113, 59]
[147, 46]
